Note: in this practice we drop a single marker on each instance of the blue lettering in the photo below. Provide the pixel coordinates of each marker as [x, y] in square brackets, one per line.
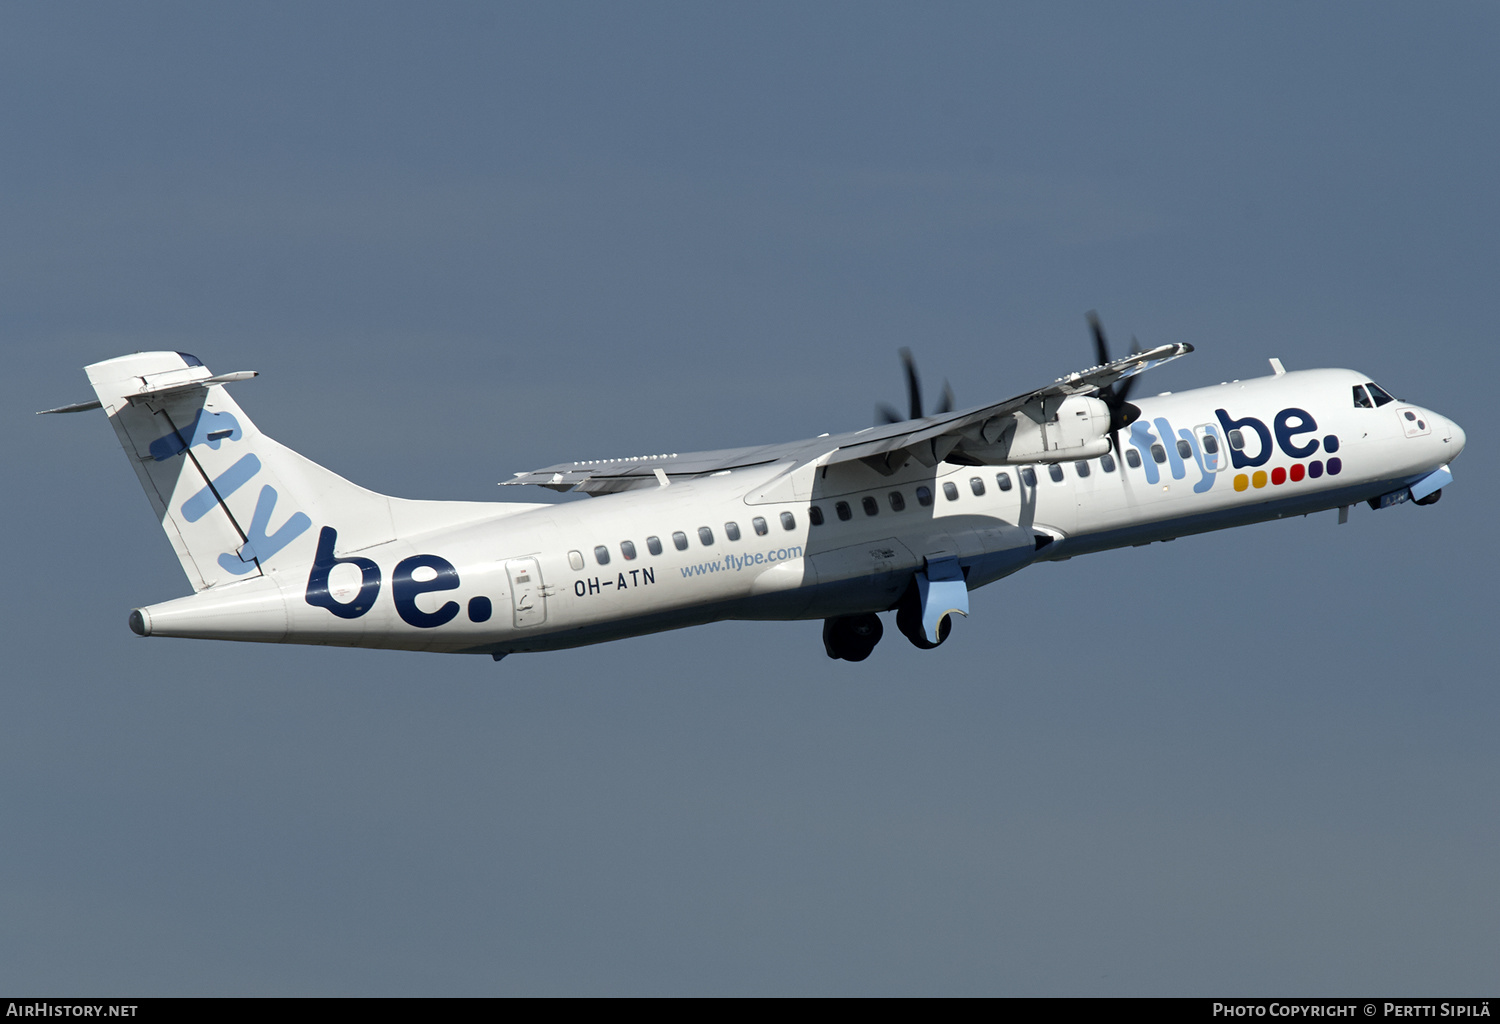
[405, 590]
[1199, 457]
[1142, 438]
[258, 545]
[1213, 459]
[226, 483]
[1174, 458]
[210, 428]
[1238, 457]
[317, 580]
[1290, 423]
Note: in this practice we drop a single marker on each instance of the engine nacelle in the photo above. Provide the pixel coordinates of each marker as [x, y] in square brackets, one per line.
[1075, 427]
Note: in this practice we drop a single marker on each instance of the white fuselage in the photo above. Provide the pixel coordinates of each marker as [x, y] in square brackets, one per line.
[555, 576]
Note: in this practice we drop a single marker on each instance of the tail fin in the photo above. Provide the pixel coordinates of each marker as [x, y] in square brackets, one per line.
[233, 502]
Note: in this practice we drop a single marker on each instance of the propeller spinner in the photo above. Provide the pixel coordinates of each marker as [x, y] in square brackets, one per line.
[1121, 413]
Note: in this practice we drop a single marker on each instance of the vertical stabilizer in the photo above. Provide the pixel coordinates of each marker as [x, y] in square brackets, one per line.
[207, 470]
[234, 503]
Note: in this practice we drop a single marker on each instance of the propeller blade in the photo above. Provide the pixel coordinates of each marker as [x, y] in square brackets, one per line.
[1101, 349]
[945, 401]
[886, 414]
[913, 384]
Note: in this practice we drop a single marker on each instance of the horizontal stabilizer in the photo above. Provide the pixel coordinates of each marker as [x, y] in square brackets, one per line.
[77, 407]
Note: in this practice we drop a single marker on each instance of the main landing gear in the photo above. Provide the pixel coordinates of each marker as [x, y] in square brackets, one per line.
[852, 637]
[924, 614]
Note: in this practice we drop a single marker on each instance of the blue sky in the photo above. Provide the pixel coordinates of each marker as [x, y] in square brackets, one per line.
[464, 240]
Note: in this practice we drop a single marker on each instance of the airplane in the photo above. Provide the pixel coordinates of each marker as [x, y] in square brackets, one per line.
[907, 516]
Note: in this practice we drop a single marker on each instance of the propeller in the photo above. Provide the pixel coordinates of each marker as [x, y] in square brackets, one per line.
[1121, 413]
[887, 414]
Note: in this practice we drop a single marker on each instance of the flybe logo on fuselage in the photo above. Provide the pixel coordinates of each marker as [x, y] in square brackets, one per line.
[350, 600]
[1245, 443]
[1290, 427]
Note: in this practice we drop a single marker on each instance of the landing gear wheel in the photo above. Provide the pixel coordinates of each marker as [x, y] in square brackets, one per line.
[852, 637]
[1431, 499]
[909, 621]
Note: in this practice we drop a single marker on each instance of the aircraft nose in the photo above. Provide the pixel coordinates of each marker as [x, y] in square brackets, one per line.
[1454, 436]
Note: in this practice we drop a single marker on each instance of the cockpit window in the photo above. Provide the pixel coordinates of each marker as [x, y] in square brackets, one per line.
[1381, 398]
[1362, 400]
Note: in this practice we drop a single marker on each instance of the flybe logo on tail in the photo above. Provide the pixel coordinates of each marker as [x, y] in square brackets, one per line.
[213, 429]
[210, 428]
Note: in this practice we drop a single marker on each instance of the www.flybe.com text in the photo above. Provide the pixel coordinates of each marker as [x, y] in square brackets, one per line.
[735, 563]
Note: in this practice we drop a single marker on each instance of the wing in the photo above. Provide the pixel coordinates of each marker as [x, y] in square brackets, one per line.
[970, 435]
[959, 436]
[606, 476]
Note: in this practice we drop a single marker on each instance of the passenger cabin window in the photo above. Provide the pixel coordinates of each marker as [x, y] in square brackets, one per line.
[815, 515]
[653, 545]
[976, 484]
[679, 540]
[1107, 463]
[897, 500]
[1055, 472]
[601, 555]
[1028, 476]
[1133, 458]
[760, 526]
[950, 490]
[575, 559]
[870, 505]
[1211, 444]
[1184, 449]
[788, 521]
[1237, 440]
[924, 496]
[1381, 398]
[705, 536]
[1361, 399]
[1083, 467]
[842, 508]
[1158, 453]
[732, 531]
[1002, 481]
[627, 550]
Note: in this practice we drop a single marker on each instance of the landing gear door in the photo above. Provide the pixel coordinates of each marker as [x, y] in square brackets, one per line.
[527, 599]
